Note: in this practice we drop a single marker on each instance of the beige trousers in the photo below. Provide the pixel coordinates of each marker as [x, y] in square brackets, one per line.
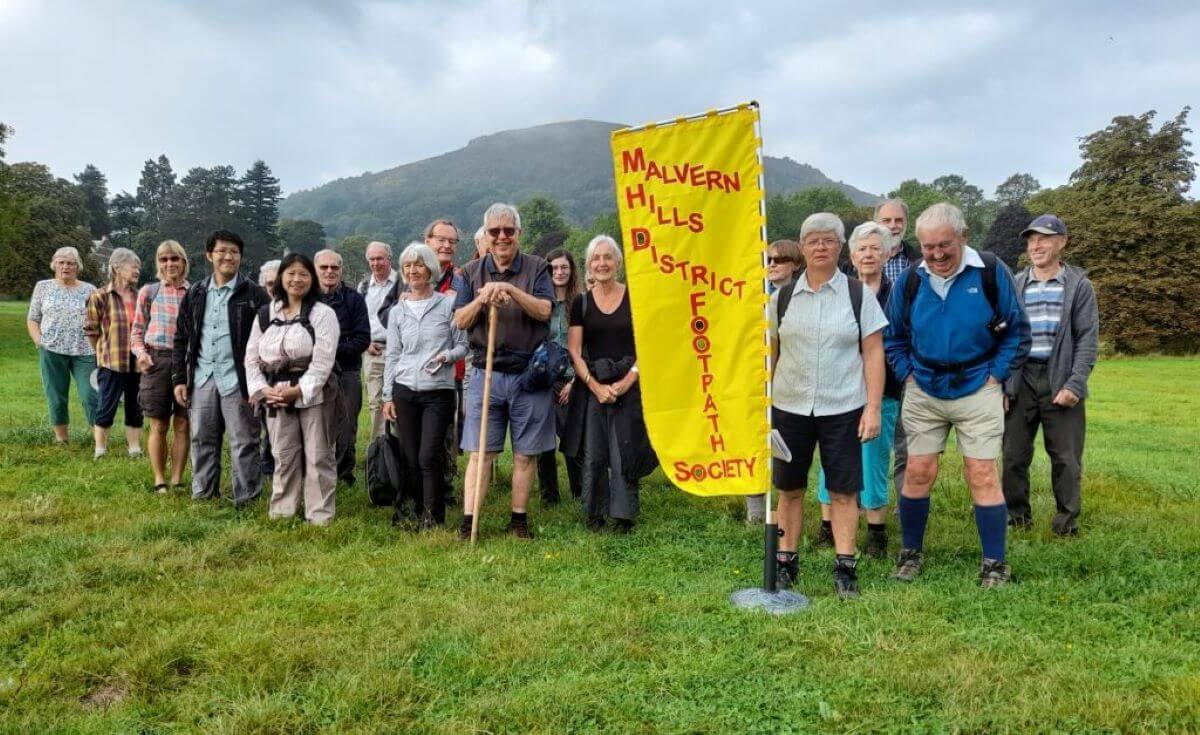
[372, 375]
[304, 443]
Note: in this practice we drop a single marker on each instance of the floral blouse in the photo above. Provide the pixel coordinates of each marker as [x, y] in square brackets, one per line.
[60, 312]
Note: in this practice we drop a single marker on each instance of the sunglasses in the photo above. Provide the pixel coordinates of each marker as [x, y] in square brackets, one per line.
[496, 231]
[778, 260]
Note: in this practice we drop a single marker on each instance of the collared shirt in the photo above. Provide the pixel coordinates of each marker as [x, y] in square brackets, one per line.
[376, 293]
[215, 359]
[61, 313]
[154, 322]
[941, 286]
[820, 368]
[109, 318]
[1043, 305]
[896, 264]
[290, 341]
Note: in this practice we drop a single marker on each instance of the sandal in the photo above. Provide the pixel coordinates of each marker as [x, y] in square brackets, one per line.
[160, 488]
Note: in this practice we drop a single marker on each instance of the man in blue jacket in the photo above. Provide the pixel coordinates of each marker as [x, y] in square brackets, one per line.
[954, 336]
[355, 335]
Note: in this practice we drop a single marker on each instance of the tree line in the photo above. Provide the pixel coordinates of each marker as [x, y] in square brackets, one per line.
[1132, 225]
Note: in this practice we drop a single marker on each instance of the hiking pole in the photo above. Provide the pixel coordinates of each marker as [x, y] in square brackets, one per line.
[481, 457]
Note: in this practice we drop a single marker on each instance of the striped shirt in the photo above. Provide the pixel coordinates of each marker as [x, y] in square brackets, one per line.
[108, 320]
[1044, 305]
[154, 322]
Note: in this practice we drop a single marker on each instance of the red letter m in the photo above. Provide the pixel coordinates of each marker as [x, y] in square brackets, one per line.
[635, 161]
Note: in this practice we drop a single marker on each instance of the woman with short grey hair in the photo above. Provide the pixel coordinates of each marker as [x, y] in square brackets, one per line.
[423, 344]
[109, 327]
[57, 310]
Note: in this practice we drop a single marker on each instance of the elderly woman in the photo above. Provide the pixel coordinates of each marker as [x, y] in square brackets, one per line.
[152, 341]
[57, 311]
[827, 351]
[418, 387]
[566, 287]
[267, 273]
[608, 436]
[869, 245]
[290, 356]
[109, 327]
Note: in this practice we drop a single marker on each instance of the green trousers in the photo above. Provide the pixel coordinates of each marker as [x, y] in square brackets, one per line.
[57, 371]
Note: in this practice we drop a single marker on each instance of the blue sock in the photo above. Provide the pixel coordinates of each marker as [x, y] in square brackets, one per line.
[914, 515]
[991, 520]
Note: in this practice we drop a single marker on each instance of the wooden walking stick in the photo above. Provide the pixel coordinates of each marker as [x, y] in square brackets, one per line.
[481, 457]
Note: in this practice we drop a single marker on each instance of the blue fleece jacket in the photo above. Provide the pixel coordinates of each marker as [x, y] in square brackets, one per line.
[955, 330]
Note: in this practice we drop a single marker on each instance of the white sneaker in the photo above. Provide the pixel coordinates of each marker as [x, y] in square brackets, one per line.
[135, 452]
[100, 452]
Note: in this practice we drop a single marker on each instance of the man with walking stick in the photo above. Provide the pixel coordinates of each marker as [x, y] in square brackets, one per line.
[505, 306]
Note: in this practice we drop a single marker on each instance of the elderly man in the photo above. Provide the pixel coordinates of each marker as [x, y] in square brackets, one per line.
[380, 282]
[956, 332]
[353, 339]
[1050, 389]
[519, 284]
[209, 374]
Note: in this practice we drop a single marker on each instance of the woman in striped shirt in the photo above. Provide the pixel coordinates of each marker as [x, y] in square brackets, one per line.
[152, 339]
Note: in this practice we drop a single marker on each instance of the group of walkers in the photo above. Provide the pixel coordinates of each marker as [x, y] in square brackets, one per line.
[872, 368]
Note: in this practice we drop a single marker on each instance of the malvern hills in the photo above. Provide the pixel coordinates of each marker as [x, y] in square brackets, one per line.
[568, 162]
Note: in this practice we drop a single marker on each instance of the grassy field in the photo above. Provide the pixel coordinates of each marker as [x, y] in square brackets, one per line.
[122, 611]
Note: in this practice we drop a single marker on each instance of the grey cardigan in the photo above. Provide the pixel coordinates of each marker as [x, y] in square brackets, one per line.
[1074, 352]
[413, 341]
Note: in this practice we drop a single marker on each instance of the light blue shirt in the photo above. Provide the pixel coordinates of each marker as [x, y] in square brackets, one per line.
[216, 347]
[941, 286]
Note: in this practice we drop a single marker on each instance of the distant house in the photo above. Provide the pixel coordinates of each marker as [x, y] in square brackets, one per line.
[101, 250]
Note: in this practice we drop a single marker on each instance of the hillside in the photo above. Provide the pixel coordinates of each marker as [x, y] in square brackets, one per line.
[568, 161]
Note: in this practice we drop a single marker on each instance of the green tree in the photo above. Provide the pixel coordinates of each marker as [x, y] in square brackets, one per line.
[1017, 189]
[156, 190]
[542, 225]
[125, 218]
[1004, 236]
[1135, 231]
[94, 187]
[605, 224]
[785, 214]
[301, 236]
[256, 199]
[39, 213]
[353, 249]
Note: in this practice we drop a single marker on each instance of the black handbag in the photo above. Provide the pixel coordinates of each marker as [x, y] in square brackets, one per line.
[385, 468]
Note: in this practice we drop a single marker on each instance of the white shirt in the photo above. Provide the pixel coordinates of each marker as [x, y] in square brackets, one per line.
[292, 341]
[941, 286]
[820, 368]
[376, 293]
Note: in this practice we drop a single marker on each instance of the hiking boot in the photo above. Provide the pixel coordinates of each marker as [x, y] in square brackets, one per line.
[876, 543]
[622, 525]
[994, 573]
[845, 579]
[824, 537]
[908, 566]
[464, 529]
[787, 571]
[520, 528]
[595, 523]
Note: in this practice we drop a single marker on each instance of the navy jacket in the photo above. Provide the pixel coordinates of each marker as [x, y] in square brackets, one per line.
[351, 310]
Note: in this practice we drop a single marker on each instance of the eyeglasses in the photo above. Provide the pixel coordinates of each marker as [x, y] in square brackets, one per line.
[444, 240]
[778, 259]
[170, 259]
[223, 252]
[495, 231]
[329, 267]
[824, 242]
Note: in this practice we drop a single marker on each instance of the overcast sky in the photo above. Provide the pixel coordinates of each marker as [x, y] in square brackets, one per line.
[323, 89]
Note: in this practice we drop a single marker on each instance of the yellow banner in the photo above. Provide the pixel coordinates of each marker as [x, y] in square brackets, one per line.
[690, 202]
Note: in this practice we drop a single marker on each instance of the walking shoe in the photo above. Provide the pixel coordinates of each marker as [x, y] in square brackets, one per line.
[549, 499]
[622, 525]
[1020, 523]
[994, 573]
[595, 523]
[824, 537]
[100, 452]
[908, 566]
[135, 452]
[876, 543]
[520, 528]
[787, 571]
[845, 578]
[464, 529]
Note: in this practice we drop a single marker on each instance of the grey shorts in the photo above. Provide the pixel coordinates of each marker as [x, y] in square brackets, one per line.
[530, 416]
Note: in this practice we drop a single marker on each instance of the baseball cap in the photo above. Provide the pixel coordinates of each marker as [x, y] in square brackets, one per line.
[1047, 224]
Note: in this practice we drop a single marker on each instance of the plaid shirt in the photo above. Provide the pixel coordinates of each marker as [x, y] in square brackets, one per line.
[108, 322]
[896, 264]
[154, 322]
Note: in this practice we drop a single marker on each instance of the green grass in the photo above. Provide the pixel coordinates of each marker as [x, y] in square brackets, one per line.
[121, 611]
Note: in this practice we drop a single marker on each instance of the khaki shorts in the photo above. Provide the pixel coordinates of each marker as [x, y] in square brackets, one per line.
[978, 421]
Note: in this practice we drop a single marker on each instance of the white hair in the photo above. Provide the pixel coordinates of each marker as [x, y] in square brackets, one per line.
[270, 267]
[823, 222]
[121, 257]
[867, 229]
[942, 214]
[328, 251]
[382, 245]
[479, 235]
[499, 211]
[422, 252]
[897, 201]
[595, 243]
[67, 252]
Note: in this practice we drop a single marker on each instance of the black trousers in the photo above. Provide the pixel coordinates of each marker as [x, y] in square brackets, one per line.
[347, 437]
[422, 420]
[547, 464]
[1063, 432]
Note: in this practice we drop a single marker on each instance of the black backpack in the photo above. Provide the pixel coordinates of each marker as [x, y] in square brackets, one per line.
[385, 469]
[856, 297]
[997, 325]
